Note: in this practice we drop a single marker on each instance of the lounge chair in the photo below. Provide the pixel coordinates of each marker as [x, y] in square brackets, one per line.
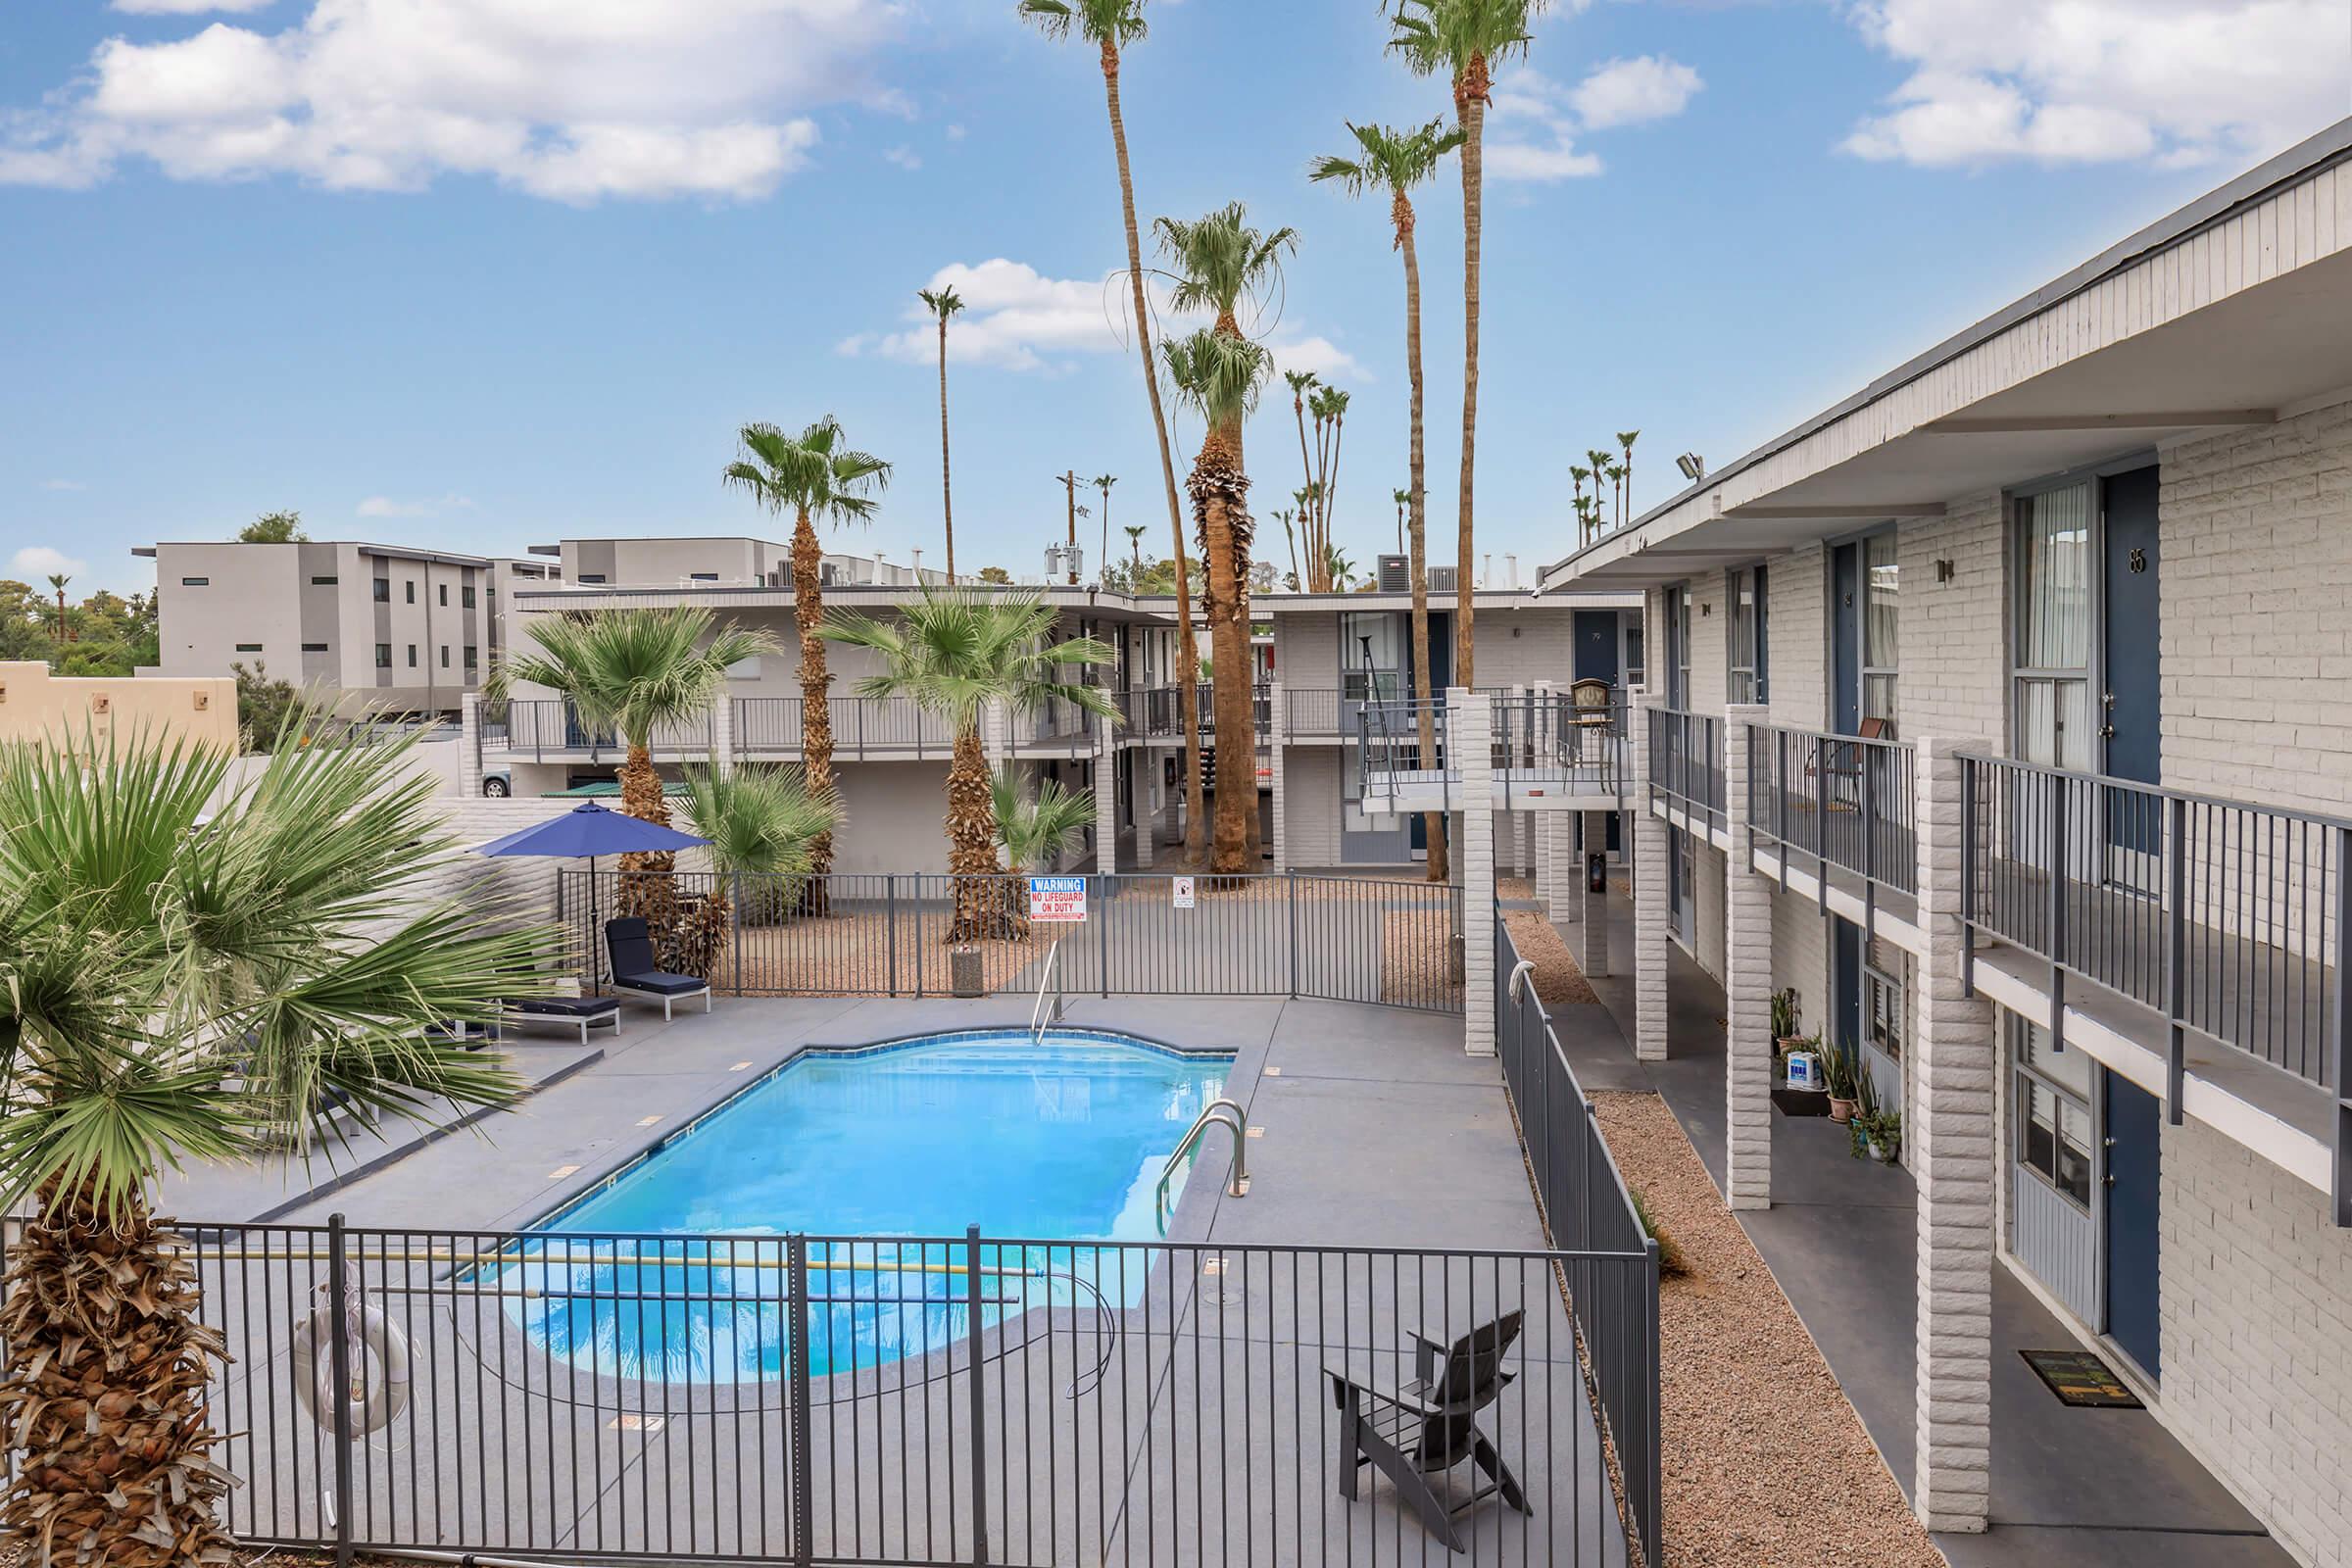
[634, 970]
[569, 1011]
[1425, 1428]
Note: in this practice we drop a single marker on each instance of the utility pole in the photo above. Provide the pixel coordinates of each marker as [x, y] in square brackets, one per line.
[1069, 484]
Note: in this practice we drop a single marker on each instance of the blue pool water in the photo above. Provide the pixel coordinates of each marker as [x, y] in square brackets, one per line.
[1059, 1142]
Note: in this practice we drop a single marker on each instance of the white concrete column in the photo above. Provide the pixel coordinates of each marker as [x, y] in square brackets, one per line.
[722, 734]
[1651, 847]
[1953, 1155]
[1278, 725]
[1469, 721]
[1590, 909]
[469, 746]
[1747, 984]
[1544, 822]
[1107, 794]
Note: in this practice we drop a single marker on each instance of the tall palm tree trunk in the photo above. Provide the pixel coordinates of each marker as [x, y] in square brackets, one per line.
[817, 685]
[1219, 492]
[947, 491]
[971, 827]
[1313, 581]
[1470, 103]
[1188, 657]
[103, 1399]
[1433, 823]
[647, 888]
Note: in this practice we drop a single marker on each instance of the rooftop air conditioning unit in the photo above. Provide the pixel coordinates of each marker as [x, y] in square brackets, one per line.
[1443, 580]
[1396, 574]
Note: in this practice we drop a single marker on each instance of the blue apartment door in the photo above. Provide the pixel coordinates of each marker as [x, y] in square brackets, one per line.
[1846, 977]
[1596, 657]
[1441, 669]
[2130, 1154]
[2131, 732]
[1845, 640]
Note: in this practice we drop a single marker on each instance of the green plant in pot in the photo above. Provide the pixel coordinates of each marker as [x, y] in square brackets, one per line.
[1880, 1133]
[1842, 1077]
[1784, 1037]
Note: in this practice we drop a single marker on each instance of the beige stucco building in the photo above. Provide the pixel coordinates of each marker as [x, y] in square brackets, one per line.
[39, 706]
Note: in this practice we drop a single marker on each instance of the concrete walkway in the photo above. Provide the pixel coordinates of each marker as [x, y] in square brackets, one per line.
[2072, 1488]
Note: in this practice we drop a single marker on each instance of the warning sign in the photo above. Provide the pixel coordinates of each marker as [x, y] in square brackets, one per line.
[1184, 891]
[1058, 897]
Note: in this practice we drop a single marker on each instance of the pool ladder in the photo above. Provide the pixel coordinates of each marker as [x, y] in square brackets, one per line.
[1037, 1018]
[1218, 1112]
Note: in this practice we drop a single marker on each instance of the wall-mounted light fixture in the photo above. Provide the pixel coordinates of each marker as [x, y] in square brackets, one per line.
[1943, 569]
[1694, 467]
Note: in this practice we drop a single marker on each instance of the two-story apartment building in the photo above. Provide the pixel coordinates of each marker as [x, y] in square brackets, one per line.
[368, 626]
[2000, 712]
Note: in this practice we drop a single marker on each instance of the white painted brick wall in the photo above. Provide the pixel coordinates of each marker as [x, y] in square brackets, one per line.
[2256, 1311]
[1521, 646]
[1710, 648]
[1310, 803]
[1953, 673]
[1708, 915]
[1650, 910]
[1747, 993]
[2255, 552]
[1471, 724]
[1796, 593]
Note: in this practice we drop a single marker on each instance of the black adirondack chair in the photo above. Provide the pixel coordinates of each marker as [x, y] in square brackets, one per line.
[1416, 1433]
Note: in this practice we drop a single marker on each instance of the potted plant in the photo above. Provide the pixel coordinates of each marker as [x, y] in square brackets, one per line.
[1784, 1037]
[1841, 1075]
[1882, 1134]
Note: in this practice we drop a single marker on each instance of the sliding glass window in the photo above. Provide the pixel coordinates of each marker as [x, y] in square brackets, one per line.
[2049, 1109]
[1882, 580]
[1745, 636]
[2051, 673]
[1372, 645]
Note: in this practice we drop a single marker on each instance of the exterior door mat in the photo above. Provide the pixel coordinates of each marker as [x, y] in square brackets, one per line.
[2081, 1377]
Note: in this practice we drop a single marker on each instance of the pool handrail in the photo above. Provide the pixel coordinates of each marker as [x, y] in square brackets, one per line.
[1053, 975]
[1239, 1121]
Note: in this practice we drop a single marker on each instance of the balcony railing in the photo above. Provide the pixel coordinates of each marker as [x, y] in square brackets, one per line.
[862, 728]
[1313, 712]
[1837, 800]
[1539, 743]
[1058, 724]
[545, 727]
[2224, 918]
[1686, 764]
[1153, 713]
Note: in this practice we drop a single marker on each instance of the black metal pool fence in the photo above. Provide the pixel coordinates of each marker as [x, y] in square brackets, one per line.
[800, 1399]
[1337, 938]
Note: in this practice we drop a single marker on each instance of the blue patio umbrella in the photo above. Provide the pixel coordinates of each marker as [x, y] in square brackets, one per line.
[587, 831]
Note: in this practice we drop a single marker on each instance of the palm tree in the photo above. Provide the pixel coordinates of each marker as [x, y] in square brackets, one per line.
[954, 652]
[760, 823]
[1580, 474]
[1111, 25]
[1328, 405]
[194, 966]
[943, 303]
[1403, 498]
[1104, 483]
[1220, 375]
[1339, 568]
[58, 582]
[1033, 830]
[1466, 39]
[1616, 473]
[1221, 262]
[1396, 161]
[1135, 550]
[1288, 518]
[630, 672]
[1303, 385]
[814, 474]
[1626, 440]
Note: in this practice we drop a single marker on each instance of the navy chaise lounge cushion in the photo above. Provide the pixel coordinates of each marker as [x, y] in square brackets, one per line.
[660, 984]
[566, 1006]
[633, 964]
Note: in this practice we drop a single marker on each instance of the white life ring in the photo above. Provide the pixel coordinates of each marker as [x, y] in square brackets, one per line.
[379, 1369]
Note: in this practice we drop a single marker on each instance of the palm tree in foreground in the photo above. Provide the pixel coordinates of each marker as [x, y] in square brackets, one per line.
[1396, 161]
[193, 968]
[814, 474]
[954, 652]
[1111, 25]
[943, 303]
[1220, 376]
[632, 672]
[1466, 39]
[760, 823]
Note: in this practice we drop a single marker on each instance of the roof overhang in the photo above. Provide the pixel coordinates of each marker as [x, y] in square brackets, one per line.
[2235, 314]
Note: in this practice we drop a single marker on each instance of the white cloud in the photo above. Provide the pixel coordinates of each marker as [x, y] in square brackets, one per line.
[1017, 318]
[2169, 81]
[588, 99]
[186, 8]
[34, 562]
[433, 505]
[1535, 120]
[63, 484]
[1627, 92]
[905, 157]
[955, 133]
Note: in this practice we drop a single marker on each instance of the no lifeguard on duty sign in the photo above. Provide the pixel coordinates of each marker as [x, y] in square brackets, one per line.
[1058, 897]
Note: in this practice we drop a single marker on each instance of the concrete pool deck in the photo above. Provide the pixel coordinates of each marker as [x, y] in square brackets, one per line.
[1213, 1432]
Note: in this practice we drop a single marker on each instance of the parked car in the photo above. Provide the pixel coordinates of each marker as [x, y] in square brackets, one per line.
[498, 783]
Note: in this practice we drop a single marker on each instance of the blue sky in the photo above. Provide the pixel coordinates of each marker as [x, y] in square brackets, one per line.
[484, 273]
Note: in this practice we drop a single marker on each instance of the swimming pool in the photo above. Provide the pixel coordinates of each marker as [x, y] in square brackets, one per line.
[908, 1144]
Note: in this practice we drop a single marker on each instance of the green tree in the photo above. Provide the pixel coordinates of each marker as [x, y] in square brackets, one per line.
[995, 576]
[943, 303]
[1111, 26]
[1395, 161]
[1625, 442]
[273, 529]
[194, 969]
[814, 474]
[1303, 385]
[760, 823]
[954, 652]
[1220, 376]
[632, 672]
[1466, 39]
[1034, 829]
[1135, 545]
[265, 708]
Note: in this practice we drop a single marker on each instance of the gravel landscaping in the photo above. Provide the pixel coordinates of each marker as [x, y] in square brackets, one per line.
[1766, 1464]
